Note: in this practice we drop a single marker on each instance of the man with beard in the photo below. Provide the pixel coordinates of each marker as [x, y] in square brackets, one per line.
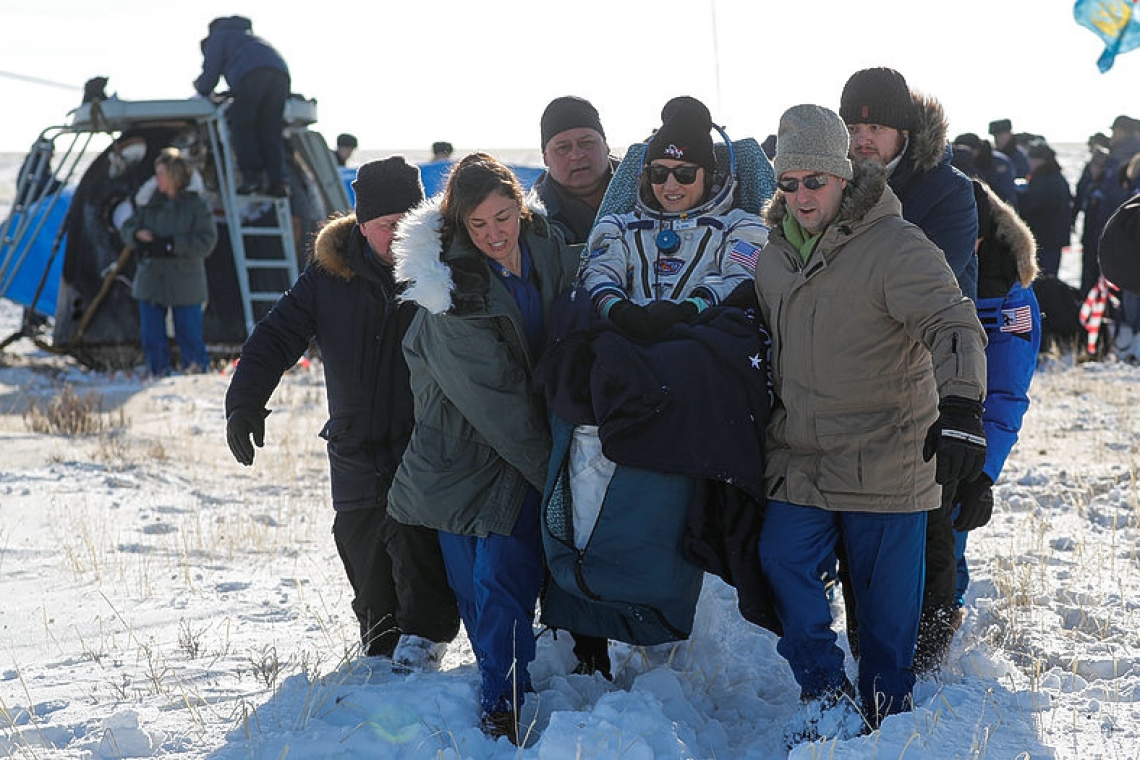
[906, 132]
[878, 367]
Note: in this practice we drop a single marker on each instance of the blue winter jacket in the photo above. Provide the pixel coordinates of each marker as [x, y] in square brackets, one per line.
[937, 197]
[232, 50]
[1013, 327]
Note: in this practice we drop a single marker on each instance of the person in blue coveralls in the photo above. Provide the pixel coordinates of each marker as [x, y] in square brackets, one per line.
[259, 82]
[1008, 310]
[485, 269]
[879, 369]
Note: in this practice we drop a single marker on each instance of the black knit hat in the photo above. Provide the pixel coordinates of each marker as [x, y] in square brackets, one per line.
[1001, 126]
[569, 112]
[1041, 149]
[388, 186]
[968, 139]
[877, 96]
[345, 140]
[684, 134]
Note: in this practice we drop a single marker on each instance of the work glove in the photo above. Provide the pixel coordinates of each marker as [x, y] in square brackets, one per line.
[633, 321]
[243, 424]
[976, 503]
[958, 438]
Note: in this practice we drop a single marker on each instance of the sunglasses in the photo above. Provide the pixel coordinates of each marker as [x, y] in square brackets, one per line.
[686, 175]
[813, 182]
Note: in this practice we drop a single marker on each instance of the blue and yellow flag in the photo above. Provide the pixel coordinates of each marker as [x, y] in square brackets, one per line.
[1117, 22]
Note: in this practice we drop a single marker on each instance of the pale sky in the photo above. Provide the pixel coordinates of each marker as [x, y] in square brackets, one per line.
[401, 74]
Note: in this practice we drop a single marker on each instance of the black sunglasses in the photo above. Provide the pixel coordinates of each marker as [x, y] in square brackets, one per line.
[686, 175]
[813, 182]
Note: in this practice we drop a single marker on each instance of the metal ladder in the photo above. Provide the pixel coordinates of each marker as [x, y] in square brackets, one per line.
[258, 286]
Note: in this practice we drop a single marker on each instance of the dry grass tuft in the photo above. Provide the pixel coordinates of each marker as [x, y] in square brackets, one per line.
[71, 414]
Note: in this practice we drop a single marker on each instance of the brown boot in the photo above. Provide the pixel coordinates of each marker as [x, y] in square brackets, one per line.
[504, 723]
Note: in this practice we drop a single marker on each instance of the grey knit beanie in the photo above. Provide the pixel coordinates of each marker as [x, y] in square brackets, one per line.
[812, 138]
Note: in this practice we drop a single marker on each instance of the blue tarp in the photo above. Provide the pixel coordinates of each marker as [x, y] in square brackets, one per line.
[434, 176]
[22, 266]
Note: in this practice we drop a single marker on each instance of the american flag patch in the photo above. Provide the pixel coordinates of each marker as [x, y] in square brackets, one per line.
[1019, 320]
[744, 253]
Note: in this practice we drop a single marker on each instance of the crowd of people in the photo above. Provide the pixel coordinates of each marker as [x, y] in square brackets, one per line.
[890, 293]
[581, 399]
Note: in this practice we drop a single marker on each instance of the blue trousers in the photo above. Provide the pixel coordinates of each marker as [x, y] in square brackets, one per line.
[885, 555]
[187, 333]
[496, 580]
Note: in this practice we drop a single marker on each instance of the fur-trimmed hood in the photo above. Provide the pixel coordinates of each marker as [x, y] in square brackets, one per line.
[439, 280]
[863, 191]
[331, 242]
[927, 148]
[1007, 238]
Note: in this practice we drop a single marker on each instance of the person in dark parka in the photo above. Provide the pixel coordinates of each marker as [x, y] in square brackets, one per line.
[578, 166]
[992, 166]
[1046, 205]
[1120, 259]
[346, 300]
[259, 83]
[906, 132]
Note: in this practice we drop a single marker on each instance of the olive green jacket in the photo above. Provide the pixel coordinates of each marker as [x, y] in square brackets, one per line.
[177, 279]
[481, 434]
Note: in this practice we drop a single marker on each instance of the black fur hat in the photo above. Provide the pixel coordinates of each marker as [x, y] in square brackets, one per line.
[1001, 126]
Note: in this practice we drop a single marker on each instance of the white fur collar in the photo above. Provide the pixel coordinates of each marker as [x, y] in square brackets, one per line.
[417, 250]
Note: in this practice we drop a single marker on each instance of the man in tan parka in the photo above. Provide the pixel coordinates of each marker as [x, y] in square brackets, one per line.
[858, 302]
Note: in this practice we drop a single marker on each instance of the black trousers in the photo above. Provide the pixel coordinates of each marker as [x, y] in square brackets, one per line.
[255, 119]
[398, 578]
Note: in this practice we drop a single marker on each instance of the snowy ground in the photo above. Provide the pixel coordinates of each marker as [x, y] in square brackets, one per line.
[159, 600]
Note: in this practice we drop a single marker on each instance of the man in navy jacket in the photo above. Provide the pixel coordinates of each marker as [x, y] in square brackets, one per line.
[259, 83]
[906, 132]
[346, 300]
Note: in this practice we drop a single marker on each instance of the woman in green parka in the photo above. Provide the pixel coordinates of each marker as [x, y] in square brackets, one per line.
[172, 234]
[485, 269]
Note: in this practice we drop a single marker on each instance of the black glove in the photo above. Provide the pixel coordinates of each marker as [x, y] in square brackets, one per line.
[665, 314]
[959, 440]
[634, 321]
[142, 247]
[977, 503]
[242, 424]
[162, 247]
